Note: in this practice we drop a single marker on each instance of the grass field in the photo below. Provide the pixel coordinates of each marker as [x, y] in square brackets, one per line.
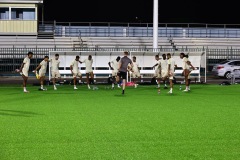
[72, 124]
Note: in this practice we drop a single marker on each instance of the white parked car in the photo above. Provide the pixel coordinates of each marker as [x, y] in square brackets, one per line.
[226, 68]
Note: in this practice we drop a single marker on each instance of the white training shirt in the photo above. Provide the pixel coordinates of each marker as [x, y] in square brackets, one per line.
[135, 66]
[115, 64]
[26, 62]
[172, 63]
[164, 64]
[88, 64]
[74, 65]
[157, 67]
[43, 66]
[184, 64]
[54, 64]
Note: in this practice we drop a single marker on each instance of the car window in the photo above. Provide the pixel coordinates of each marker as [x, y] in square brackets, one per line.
[223, 62]
[237, 63]
[231, 63]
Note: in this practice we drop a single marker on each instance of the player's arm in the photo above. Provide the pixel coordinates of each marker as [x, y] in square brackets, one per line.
[71, 68]
[39, 66]
[109, 64]
[119, 66]
[20, 70]
[155, 65]
[190, 64]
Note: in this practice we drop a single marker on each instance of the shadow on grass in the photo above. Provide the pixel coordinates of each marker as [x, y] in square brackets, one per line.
[5, 112]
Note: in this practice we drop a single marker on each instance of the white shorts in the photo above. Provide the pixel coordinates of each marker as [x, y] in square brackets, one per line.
[135, 74]
[77, 74]
[55, 74]
[157, 74]
[164, 73]
[114, 73]
[42, 74]
[89, 71]
[25, 73]
[171, 75]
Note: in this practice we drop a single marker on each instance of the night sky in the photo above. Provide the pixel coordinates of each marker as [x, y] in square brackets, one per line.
[128, 10]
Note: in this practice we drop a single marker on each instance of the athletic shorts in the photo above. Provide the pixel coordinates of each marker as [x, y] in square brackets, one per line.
[42, 74]
[157, 74]
[55, 74]
[171, 75]
[135, 74]
[77, 74]
[164, 73]
[122, 75]
[89, 71]
[25, 73]
[114, 73]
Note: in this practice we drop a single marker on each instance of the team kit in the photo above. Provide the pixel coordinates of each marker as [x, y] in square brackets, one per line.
[164, 70]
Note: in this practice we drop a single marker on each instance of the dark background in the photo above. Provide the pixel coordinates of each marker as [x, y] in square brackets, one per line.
[225, 12]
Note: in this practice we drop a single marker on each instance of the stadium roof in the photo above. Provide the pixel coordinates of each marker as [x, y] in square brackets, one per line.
[21, 1]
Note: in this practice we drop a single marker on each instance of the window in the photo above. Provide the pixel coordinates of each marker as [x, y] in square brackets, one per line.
[23, 13]
[4, 13]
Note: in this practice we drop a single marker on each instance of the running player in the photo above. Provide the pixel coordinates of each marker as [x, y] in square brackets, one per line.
[187, 66]
[157, 71]
[24, 70]
[55, 70]
[88, 63]
[163, 68]
[122, 70]
[135, 72]
[114, 68]
[171, 67]
[75, 71]
[43, 68]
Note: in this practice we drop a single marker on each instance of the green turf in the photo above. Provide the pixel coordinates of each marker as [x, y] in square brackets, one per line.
[72, 124]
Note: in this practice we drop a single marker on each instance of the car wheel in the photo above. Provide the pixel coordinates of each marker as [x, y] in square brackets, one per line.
[228, 75]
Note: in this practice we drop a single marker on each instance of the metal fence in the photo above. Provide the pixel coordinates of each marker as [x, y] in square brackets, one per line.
[105, 29]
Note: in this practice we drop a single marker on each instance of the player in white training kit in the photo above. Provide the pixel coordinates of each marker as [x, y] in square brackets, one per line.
[75, 71]
[114, 68]
[171, 68]
[55, 70]
[187, 68]
[135, 72]
[157, 71]
[163, 68]
[88, 63]
[24, 70]
[43, 69]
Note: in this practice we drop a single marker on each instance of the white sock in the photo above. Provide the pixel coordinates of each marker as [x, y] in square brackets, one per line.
[113, 85]
[41, 86]
[165, 84]
[171, 89]
[74, 86]
[158, 85]
[24, 88]
[54, 86]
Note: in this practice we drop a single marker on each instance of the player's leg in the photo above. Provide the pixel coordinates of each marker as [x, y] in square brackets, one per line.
[171, 82]
[42, 82]
[75, 80]
[25, 83]
[54, 80]
[189, 81]
[124, 76]
[88, 81]
[92, 77]
[186, 73]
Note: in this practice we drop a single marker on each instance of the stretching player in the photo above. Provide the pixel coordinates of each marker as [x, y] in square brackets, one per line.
[171, 67]
[114, 68]
[55, 70]
[187, 66]
[157, 71]
[43, 68]
[75, 71]
[88, 63]
[163, 68]
[24, 70]
[122, 70]
[135, 72]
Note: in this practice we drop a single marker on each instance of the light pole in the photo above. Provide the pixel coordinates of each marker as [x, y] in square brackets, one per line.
[155, 24]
